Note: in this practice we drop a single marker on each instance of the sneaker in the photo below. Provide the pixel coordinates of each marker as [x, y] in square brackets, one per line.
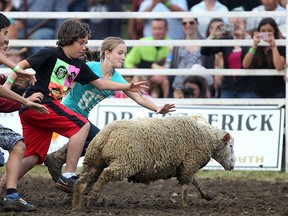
[54, 168]
[66, 184]
[17, 204]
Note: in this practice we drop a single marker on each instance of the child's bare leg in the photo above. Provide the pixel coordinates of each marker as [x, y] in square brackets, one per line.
[75, 147]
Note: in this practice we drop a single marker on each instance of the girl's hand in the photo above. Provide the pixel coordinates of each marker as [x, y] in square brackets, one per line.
[166, 108]
[271, 39]
[139, 87]
[215, 30]
[256, 39]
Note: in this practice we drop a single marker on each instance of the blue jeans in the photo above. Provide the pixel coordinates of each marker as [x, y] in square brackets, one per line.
[92, 133]
[242, 94]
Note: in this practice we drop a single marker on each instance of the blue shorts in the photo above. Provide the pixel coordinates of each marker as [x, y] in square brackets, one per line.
[92, 133]
[8, 138]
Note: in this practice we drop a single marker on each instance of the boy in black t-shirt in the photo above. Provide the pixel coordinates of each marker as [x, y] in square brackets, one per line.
[56, 69]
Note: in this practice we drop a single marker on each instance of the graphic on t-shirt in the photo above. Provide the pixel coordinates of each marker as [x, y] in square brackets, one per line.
[62, 76]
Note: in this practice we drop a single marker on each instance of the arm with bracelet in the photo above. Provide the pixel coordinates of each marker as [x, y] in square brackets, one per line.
[171, 6]
[18, 71]
[248, 58]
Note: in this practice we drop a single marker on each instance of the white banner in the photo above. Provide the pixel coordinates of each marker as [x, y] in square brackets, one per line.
[257, 130]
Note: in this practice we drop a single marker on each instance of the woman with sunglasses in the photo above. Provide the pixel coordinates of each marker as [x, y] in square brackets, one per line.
[186, 56]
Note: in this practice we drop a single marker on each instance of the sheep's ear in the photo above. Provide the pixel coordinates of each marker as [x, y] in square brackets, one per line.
[226, 137]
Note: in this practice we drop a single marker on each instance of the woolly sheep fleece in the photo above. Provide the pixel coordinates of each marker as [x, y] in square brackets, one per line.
[147, 149]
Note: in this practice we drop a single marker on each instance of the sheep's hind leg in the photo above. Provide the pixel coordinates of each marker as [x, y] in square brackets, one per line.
[116, 172]
[208, 195]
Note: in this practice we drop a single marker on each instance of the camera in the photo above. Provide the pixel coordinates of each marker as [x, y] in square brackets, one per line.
[187, 92]
[228, 27]
[263, 35]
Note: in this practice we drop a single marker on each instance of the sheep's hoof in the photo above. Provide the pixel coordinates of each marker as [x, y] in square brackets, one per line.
[183, 205]
[209, 196]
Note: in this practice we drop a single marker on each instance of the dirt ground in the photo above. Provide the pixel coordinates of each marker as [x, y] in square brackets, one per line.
[235, 197]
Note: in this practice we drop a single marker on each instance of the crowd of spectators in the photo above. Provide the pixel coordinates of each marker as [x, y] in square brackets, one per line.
[187, 28]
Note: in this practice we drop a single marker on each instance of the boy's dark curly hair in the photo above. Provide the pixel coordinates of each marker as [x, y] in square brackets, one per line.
[70, 30]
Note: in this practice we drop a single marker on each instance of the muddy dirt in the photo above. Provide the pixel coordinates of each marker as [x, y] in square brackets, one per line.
[235, 197]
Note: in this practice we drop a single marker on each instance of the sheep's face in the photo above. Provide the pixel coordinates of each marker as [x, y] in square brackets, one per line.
[224, 154]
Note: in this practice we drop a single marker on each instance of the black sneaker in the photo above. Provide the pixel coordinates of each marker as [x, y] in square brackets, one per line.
[66, 184]
[17, 204]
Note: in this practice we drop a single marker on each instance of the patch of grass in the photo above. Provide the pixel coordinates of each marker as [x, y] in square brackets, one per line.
[272, 176]
[249, 175]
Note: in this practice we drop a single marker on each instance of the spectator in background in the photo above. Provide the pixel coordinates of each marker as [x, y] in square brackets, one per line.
[283, 3]
[186, 56]
[77, 5]
[207, 6]
[152, 57]
[193, 87]
[16, 24]
[42, 28]
[267, 5]
[102, 28]
[135, 26]
[174, 25]
[267, 57]
[231, 86]
[247, 5]
[213, 61]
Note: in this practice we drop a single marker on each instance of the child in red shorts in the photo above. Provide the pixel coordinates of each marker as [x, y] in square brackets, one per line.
[56, 69]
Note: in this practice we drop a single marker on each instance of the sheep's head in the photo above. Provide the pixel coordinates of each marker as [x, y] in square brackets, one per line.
[224, 153]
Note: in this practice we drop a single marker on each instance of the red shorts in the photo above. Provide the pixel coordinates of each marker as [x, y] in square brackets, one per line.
[38, 128]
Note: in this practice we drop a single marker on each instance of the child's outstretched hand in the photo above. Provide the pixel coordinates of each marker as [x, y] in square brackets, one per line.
[35, 106]
[25, 74]
[139, 87]
[166, 108]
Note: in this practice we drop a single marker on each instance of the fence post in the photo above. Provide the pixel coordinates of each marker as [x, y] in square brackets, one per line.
[286, 103]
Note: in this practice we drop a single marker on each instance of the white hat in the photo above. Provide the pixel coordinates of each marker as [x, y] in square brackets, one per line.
[209, 78]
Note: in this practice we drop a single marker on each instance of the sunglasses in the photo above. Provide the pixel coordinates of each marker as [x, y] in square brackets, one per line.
[190, 23]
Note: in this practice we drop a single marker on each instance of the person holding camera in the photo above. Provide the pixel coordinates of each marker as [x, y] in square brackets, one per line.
[193, 87]
[266, 57]
[231, 86]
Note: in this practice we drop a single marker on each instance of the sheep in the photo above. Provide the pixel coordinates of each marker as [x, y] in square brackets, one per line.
[148, 149]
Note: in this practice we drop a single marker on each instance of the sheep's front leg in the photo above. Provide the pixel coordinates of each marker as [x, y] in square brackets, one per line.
[208, 195]
[183, 198]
